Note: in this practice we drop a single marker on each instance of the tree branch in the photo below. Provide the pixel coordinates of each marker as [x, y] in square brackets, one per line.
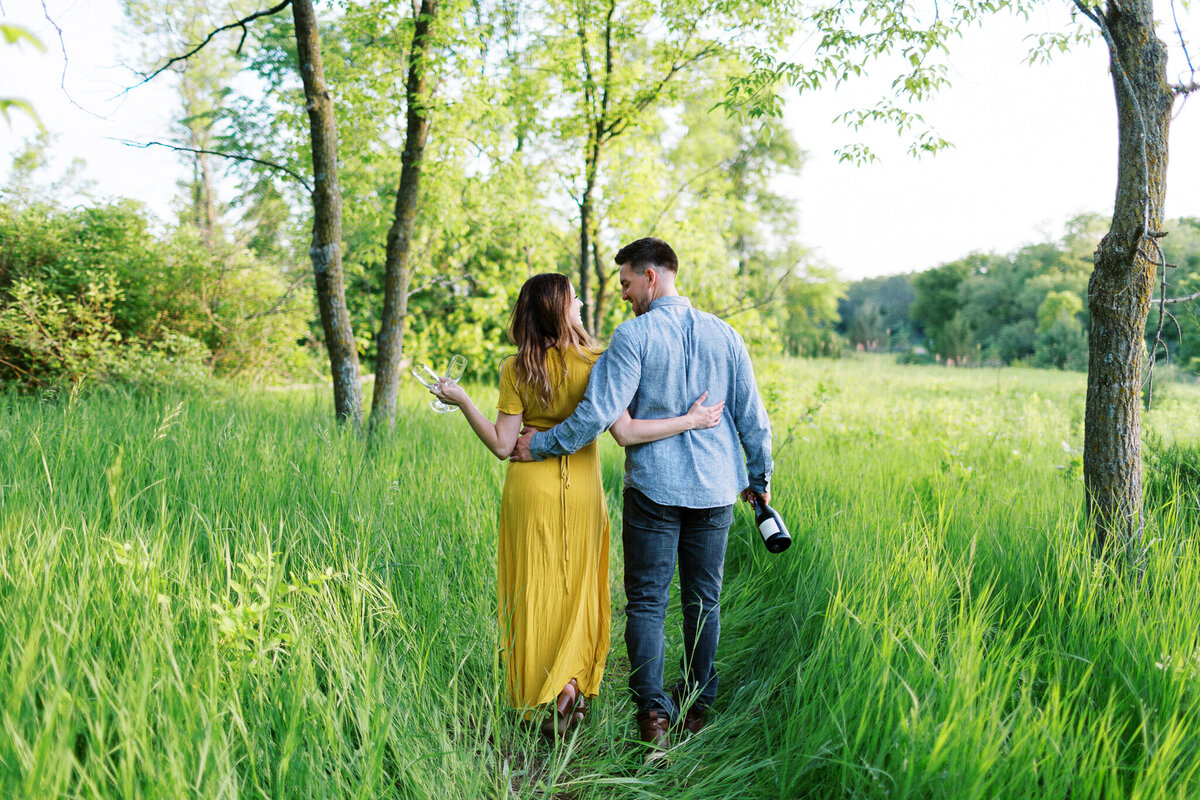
[283, 298]
[1161, 260]
[62, 81]
[1186, 55]
[647, 96]
[232, 156]
[241, 23]
[682, 188]
[1186, 299]
[734, 310]
[26, 373]
[1184, 89]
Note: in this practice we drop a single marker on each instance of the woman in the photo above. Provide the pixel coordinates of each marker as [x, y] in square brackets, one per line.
[553, 532]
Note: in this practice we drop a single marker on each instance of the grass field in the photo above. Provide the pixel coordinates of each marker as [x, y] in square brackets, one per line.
[231, 597]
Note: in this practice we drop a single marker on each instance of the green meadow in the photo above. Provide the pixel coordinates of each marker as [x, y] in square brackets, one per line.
[227, 595]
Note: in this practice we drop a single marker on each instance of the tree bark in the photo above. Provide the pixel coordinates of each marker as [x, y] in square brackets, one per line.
[326, 249]
[1121, 285]
[602, 277]
[397, 265]
[598, 133]
[585, 222]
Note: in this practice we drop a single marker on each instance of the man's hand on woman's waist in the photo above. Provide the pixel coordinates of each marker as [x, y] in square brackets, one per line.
[521, 448]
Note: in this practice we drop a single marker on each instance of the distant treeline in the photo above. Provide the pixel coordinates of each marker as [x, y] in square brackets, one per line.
[1028, 307]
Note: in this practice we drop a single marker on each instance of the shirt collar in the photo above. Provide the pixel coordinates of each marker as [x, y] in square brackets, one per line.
[670, 300]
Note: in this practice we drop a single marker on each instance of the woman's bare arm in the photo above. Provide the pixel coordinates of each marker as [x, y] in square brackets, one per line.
[628, 431]
[499, 436]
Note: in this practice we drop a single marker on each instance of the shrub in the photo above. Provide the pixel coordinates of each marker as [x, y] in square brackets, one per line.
[47, 337]
[91, 293]
[1063, 345]
[1172, 473]
[815, 343]
[172, 362]
[918, 355]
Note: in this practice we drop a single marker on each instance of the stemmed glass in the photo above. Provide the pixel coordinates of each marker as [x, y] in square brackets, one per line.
[454, 372]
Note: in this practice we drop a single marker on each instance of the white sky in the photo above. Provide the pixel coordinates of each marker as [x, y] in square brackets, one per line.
[1034, 145]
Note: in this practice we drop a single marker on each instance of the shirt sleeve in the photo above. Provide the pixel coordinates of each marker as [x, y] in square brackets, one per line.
[753, 426]
[510, 398]
[610, 390]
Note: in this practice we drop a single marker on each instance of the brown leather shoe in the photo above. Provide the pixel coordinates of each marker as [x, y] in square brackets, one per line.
[692, 721]
[653, 728]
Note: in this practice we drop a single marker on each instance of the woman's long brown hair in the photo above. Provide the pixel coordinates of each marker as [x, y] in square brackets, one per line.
[541, 319]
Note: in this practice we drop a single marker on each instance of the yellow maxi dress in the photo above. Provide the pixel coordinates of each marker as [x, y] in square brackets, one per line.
[553, 552]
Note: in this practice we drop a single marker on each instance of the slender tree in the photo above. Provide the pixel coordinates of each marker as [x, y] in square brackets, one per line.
[202, 82]
[397, 269]
[1122, 282]
[326, 249]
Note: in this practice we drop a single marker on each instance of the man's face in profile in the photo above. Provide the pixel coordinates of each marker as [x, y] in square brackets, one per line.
[635, 289]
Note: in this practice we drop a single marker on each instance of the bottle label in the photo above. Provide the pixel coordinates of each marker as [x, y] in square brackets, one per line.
[769, 527]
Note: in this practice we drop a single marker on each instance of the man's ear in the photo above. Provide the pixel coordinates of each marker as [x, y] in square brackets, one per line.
[652, 276]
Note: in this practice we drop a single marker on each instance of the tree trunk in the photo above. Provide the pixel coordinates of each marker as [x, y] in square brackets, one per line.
[591, 168]
[326, 249]
[204, 204]
[1122, 282]
[397, 270]
[585, 221]
[601, 293]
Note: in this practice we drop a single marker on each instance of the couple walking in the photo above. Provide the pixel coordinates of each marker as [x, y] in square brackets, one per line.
[682, 475]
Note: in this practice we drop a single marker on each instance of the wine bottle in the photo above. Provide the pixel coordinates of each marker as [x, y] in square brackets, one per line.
[770, 525]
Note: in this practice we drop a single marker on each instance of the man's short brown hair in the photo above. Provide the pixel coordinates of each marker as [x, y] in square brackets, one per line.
[647, 252]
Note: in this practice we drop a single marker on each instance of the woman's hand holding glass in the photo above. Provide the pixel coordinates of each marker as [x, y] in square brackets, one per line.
[449, 392]
[431, 380]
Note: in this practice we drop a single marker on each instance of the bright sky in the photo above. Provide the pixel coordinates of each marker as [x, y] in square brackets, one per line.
[1034, 145]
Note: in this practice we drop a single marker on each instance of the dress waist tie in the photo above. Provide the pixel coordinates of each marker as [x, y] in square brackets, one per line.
[564, 474]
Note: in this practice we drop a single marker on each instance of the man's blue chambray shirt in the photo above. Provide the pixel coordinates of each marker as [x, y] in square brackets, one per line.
[656, 366]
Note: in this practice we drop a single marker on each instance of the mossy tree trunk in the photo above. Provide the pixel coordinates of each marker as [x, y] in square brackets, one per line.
[1121, 284]
[326, 249]
[397, 264]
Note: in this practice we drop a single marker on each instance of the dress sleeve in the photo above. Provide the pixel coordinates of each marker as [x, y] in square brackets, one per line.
[510, 398]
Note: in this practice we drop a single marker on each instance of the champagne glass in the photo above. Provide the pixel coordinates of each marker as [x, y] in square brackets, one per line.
[428, 378]
[425, 374]
[456, 368]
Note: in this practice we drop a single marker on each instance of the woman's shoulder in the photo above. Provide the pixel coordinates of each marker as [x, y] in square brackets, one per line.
[584, 355]
[506, 364]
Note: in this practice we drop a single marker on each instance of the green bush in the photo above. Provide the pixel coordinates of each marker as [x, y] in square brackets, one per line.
[173, 362]
[1172, 474]
[46, 336]
[814, 343]
[92, 294]
[1063, 345]
[915, 356]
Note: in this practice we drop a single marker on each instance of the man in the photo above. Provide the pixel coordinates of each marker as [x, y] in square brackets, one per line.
[679, 492]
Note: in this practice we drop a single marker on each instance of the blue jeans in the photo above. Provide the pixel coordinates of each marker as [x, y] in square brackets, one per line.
[654, 536]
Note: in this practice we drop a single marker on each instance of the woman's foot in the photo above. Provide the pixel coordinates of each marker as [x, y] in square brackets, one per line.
[567, 698]
[569, 709]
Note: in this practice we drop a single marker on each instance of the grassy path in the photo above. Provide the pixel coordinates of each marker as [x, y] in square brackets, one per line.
[230, 597]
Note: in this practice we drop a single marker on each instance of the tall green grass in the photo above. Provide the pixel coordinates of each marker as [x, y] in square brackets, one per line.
[231, 596]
